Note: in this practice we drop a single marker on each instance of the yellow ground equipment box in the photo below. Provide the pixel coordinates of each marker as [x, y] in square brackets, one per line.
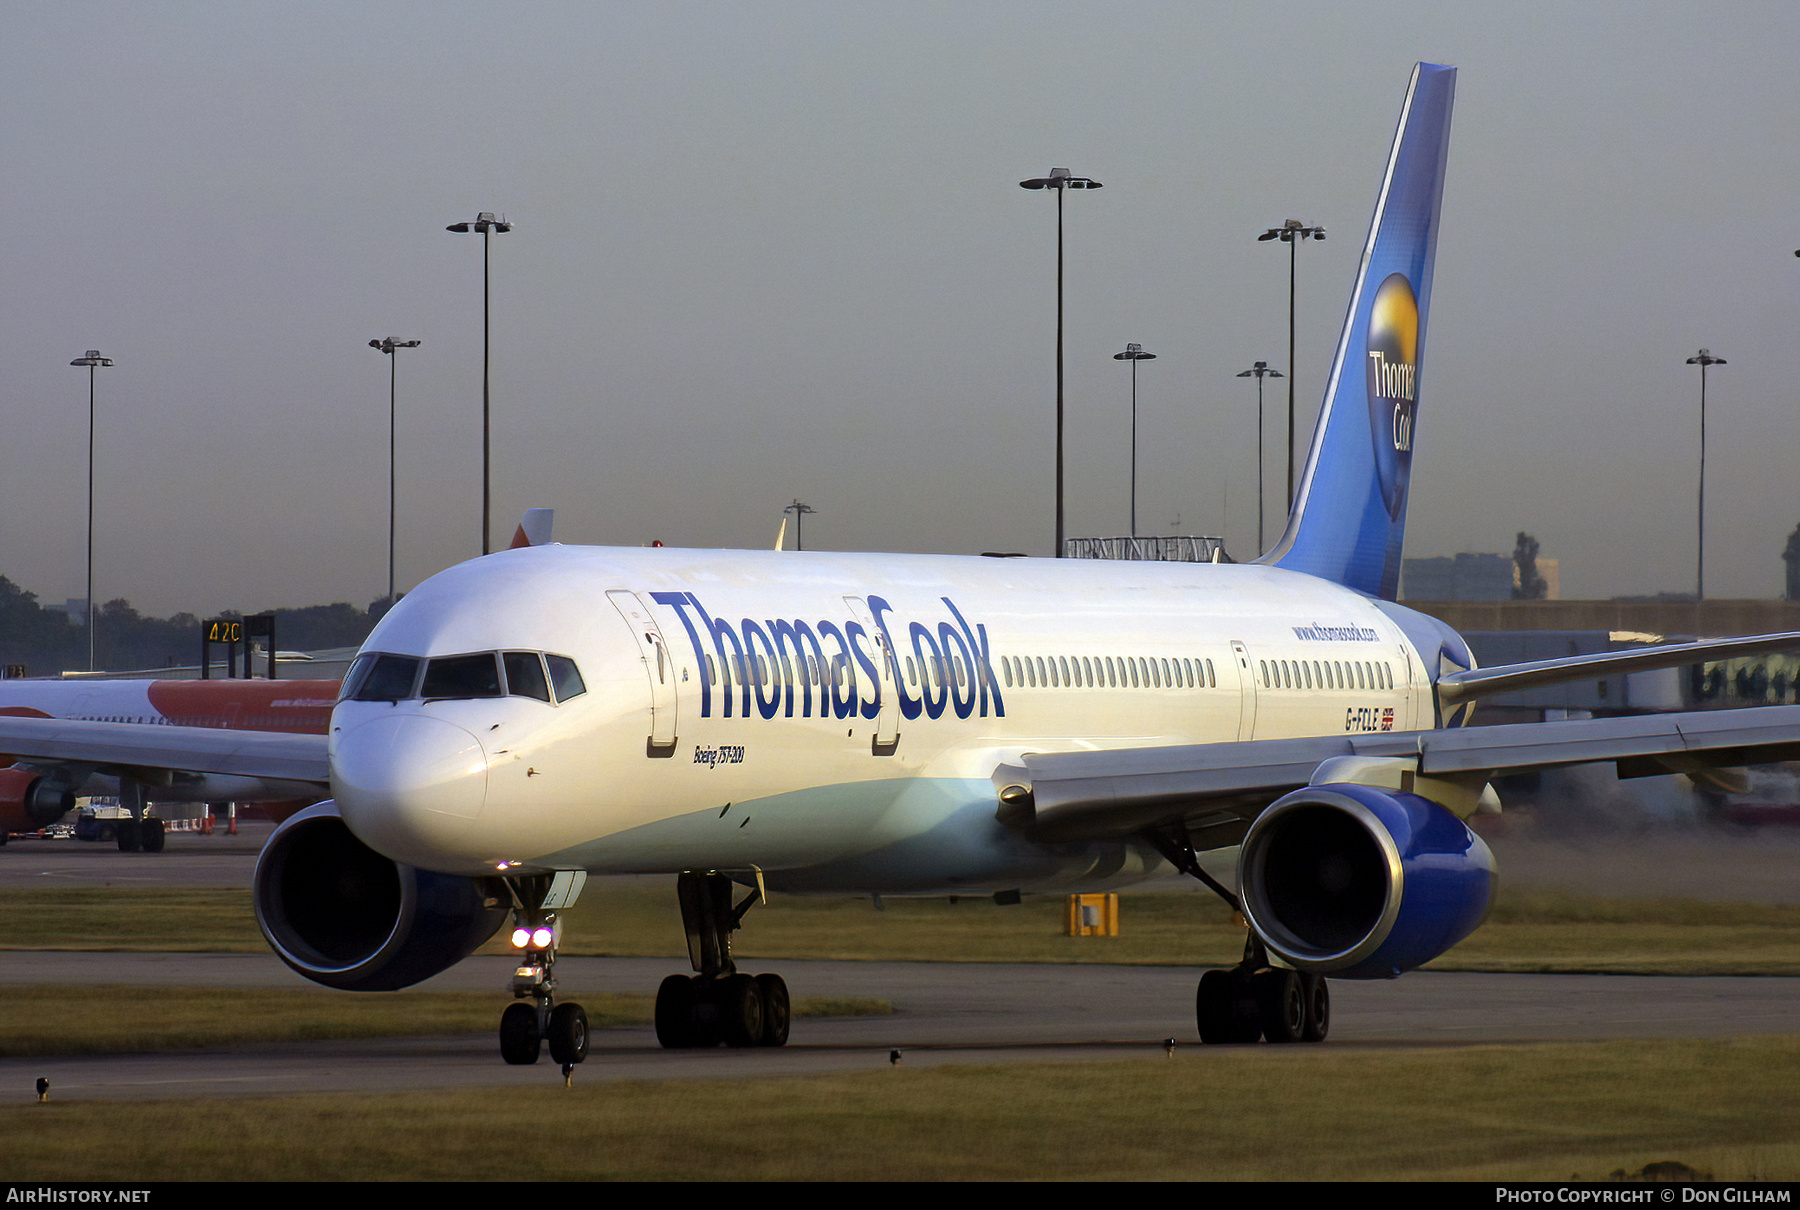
[1092, 916]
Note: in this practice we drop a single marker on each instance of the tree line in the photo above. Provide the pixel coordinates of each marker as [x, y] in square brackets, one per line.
[49, 641]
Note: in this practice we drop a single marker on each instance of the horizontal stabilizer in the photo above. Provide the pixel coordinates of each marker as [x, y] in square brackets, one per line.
[1457, 687]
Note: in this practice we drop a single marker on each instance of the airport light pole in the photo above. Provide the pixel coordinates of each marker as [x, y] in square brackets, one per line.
[1291, 233]
[388, 346]
[1259, 371]
[92, 361]
[1059, 180]
[1134, 353]
[486, 224]
[1703, 359]
[799, 508]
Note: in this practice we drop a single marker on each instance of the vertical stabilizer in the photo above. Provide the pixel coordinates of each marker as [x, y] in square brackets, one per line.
[534, 528]
[1349, 513]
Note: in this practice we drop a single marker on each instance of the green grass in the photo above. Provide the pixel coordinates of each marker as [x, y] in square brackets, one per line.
[1542, 1112]
[118, 1019]
[163, 919]
[1529, 930]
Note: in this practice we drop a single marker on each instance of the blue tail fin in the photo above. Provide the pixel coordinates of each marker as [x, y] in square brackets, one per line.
[1350, 511]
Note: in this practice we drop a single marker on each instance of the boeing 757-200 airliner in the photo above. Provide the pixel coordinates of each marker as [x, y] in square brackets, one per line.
[920, 724]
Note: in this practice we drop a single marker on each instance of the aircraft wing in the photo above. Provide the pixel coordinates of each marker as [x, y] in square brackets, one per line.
[1216, 790]
[149, 752]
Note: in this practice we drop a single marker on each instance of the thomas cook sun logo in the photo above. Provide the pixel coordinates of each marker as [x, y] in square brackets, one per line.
[1392, 376]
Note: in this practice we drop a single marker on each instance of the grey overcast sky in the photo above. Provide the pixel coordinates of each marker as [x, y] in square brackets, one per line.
[778, 249]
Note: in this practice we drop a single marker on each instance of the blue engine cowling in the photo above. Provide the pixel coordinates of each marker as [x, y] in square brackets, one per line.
[343, 915]
[1362, 883]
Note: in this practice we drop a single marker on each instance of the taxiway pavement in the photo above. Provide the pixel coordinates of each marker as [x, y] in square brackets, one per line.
[944, 1012]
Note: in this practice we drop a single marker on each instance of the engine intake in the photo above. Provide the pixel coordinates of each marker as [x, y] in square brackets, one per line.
[341, 914]
[1360, 882]
[30, 800]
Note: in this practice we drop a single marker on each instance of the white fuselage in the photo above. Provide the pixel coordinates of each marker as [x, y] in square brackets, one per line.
[741, 709]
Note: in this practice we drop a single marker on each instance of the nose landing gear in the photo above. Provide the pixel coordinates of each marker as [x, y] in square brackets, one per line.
[534, 1017]
[718, 1004]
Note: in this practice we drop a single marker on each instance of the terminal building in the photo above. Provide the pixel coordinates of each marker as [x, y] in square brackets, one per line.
[1471, 577]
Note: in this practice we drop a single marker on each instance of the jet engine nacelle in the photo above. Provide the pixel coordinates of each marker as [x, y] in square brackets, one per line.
[343, 915]
[30, 800]
[1361, 882]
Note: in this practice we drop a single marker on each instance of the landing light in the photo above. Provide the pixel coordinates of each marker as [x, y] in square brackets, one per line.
[541, 937]
[521, 937]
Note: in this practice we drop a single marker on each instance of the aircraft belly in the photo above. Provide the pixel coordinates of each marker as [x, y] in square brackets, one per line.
[917, 835]
[779, 831]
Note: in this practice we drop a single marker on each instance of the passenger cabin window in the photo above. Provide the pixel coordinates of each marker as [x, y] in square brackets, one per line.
[461, 676]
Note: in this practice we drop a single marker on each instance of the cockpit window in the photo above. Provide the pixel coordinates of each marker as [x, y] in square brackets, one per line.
[384, 678]
[379, 677]
[462, 676]
[525, 675]
[566, 677]
[353, 679]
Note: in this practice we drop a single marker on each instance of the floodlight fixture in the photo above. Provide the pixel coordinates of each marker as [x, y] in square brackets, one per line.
[387, 346]
[1134, 353]
[92, 361]
[1702, 359]
[485, 225]
[1293, 233]
[1060, 180]
[1259, 371]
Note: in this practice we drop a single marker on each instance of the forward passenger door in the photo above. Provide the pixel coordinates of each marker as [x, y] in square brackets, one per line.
[659, 666]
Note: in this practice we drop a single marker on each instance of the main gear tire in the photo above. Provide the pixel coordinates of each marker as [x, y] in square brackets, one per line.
[675, 1002]
[1281, 1003]
[777, 1010]
[1318, 1008]
[741, 1011]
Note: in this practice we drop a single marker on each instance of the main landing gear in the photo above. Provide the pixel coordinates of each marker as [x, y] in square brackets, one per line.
[141, 831]
[534, 1017]
[140, 835]
[718, 1004]
[1254, 999]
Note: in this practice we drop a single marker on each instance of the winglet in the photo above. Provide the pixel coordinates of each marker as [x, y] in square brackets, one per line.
[534, 528]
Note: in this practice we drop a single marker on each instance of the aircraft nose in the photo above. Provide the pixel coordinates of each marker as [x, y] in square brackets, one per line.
[409, 785]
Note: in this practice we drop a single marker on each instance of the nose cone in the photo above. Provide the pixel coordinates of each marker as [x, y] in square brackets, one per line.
[409, 786]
